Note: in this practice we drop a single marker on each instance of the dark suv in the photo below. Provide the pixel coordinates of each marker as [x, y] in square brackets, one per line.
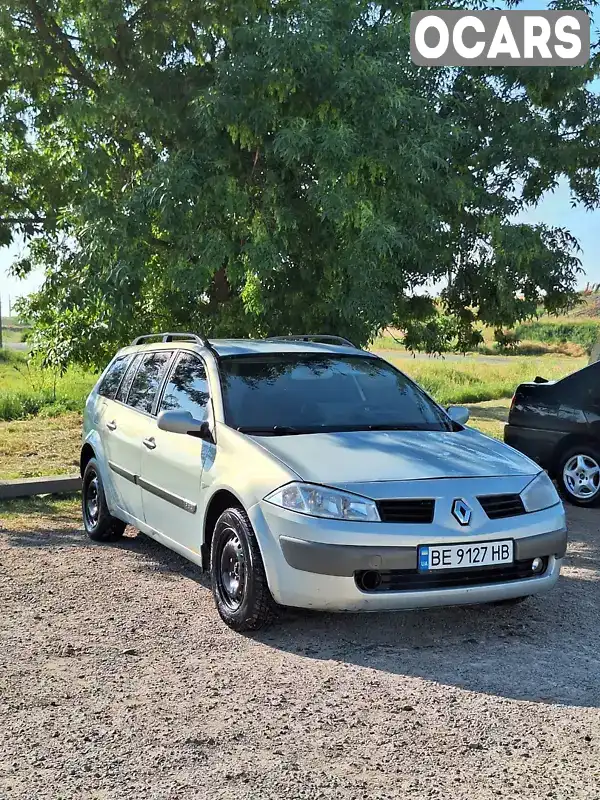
[557, 424]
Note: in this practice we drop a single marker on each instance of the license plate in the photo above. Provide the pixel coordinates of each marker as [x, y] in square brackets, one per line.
[463, 556]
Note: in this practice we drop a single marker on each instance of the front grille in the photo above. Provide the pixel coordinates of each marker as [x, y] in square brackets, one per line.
[404, 580]
[419, 511]
[499, 506]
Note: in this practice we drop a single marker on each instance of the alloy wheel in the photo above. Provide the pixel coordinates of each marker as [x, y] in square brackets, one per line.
[581, 475]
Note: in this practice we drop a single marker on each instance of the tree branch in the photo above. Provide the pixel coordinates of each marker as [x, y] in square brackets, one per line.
[59, 43]
[32, 220]
[137, 15]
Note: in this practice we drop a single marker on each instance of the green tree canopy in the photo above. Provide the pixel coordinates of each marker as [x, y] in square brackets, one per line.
[272, 167]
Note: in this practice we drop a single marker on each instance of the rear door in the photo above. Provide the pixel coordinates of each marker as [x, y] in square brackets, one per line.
[172, 466]
[128, 422]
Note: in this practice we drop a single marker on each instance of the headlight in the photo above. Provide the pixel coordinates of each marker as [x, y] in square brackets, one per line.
[319, 501]
[539, 494]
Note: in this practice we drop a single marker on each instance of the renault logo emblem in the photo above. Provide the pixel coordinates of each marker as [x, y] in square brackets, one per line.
[461, 511]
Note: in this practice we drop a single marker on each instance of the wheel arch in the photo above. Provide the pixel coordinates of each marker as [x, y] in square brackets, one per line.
[221, 500]
[568, 442]
[87, 453]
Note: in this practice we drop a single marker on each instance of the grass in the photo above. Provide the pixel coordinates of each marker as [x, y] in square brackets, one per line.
[489, 348]
[24, 510]
[472, 381]
[40, 446]
[27, 390]
[490, 417]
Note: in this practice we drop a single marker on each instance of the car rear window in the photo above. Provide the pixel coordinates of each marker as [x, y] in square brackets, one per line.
[123, 390]
[314, 392]
[110, 382]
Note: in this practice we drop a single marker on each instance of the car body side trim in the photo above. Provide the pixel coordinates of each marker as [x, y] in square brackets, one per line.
[124, 473]
[175, 499]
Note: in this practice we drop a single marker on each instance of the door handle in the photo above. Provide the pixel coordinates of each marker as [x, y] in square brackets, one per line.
[149, 443]
[111, 425]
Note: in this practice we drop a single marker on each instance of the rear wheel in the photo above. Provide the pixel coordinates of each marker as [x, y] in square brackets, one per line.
[99, 524]
[239, 583]
[578, 475]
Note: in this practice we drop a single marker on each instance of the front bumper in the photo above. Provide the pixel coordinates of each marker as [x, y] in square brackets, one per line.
[314, 563]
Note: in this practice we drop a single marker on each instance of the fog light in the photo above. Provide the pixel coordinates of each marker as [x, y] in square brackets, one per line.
[537, 565]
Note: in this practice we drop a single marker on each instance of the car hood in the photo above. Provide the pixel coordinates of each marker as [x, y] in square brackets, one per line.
[372, 456]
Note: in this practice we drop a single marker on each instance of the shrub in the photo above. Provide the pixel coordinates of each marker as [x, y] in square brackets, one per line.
[585, 334]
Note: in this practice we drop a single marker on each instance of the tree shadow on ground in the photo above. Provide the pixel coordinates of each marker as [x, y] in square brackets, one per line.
[496, 413]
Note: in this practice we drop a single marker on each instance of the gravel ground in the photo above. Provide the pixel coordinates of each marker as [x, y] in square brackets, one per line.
[118, 680]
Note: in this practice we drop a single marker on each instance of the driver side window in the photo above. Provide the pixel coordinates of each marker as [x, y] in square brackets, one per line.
[187, 388]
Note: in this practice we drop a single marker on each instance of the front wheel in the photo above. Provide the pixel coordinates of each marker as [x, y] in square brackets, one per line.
[578, 475]
[239, 583]
[99, 524]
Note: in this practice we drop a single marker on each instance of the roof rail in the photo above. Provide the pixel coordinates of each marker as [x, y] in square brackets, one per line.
[170, 337]
[314, 337]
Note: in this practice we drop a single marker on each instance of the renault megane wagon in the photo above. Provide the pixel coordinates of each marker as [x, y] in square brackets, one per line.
[303, 471]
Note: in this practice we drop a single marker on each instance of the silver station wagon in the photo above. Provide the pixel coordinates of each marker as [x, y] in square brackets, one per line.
[303, 471]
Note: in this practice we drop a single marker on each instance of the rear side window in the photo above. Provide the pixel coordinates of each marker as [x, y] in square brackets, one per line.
[147, 380]
[110, 382]
[187, 388]
[121, 395]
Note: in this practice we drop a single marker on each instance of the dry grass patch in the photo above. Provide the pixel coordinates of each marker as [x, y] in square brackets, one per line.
[37, 513]
[40, 446]
[490, 417]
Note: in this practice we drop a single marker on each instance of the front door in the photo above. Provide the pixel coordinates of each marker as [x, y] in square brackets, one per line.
[172, 462]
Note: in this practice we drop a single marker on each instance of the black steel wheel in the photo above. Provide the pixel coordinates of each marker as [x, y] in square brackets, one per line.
[99, 524]
[239, 583]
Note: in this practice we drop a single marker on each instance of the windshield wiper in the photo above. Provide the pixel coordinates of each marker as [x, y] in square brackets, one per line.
[387, 427]
[274, 430]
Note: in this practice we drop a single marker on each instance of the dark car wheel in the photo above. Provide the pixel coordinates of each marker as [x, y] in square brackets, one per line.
[578, 475]
[99, 524]
[239, 583]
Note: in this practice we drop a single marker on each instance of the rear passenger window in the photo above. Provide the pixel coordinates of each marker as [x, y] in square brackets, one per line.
[110, 382]
[187, 388]
[121, 395]
[147, 380]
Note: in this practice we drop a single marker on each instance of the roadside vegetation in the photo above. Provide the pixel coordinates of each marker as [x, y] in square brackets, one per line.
[40, 412]
[12, 330]
[27, 390]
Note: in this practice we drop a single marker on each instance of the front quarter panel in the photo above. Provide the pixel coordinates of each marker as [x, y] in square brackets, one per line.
[244, 467]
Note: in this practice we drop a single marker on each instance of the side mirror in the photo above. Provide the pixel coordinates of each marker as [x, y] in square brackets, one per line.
[458, 414]
[183, 422]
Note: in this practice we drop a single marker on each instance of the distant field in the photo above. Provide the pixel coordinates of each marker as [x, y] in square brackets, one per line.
[12, 330]
[472, 381]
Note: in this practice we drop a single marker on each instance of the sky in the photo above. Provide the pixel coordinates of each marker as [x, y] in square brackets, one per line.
[554, 209]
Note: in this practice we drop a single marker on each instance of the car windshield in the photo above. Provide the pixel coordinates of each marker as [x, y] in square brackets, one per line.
[288, 393]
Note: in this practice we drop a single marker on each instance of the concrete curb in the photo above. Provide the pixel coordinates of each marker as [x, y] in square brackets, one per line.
[28, 487]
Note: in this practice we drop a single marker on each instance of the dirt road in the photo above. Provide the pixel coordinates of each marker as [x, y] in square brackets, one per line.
[117, 680]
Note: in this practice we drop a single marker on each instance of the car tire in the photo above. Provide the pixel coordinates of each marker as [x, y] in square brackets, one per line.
[578, 475]
[99, 523]
[239, 583]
